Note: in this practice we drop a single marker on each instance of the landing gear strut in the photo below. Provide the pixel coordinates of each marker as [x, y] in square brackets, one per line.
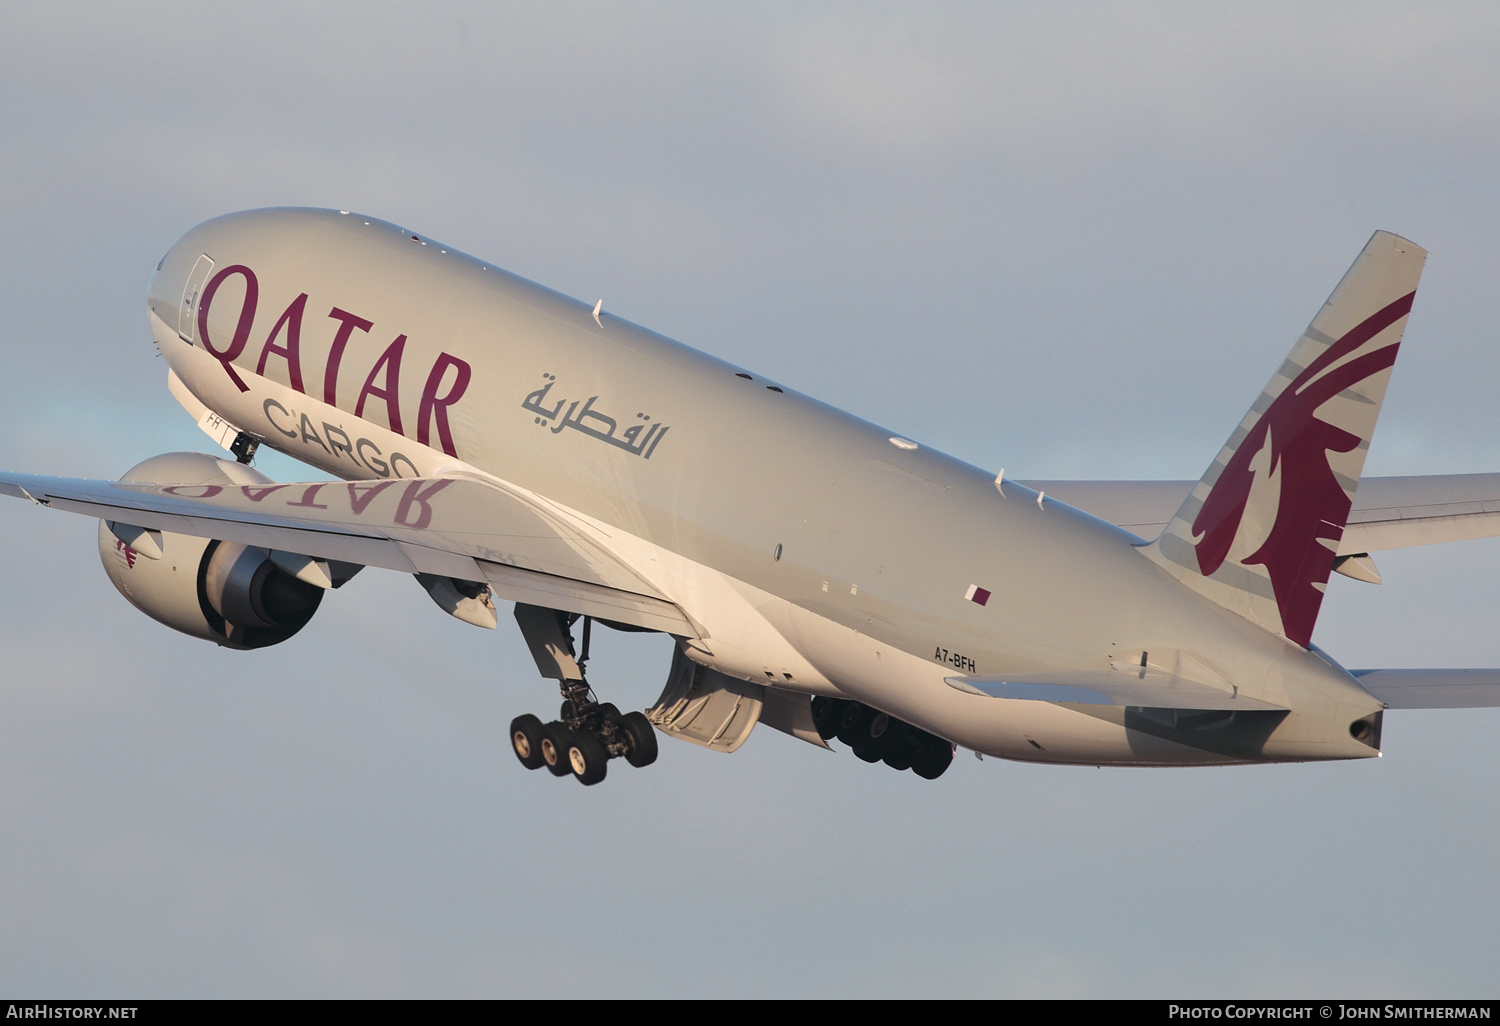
[587, 733]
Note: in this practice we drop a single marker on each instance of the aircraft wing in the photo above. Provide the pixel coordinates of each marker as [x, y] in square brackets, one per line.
[1148, 689]
[454, 527]
[1388, 512]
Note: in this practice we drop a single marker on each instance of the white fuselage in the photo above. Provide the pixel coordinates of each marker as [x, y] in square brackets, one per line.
[814, 552]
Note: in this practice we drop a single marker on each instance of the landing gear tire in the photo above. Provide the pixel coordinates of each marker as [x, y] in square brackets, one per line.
[898, 749]
[556, 739]
[854, 725]
[641, 737]
[826, 713]
[881, 735]
[526, 741]
[869, 744]
[933, 759]
[587, 758]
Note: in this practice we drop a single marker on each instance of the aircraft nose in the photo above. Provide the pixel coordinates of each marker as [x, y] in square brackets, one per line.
[166, 280]
[172, 295]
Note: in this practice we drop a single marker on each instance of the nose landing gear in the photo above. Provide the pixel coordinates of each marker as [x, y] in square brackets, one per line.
[587, 733]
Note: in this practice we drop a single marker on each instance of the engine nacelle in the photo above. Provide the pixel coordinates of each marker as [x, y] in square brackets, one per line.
[223, 592]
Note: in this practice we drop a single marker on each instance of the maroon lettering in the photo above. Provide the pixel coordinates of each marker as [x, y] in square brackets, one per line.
[257, 493]
[435, 407]
[308, 497]
[292, 351]
[391, 361]
[241, 330]
[361, 496]
[188, 491]
[347, 323]
[417, 495]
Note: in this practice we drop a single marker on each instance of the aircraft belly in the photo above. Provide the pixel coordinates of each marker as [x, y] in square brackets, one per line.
[756, 636]
[913, 689]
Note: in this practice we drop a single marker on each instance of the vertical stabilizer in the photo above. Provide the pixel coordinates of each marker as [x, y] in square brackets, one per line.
[1259, 532]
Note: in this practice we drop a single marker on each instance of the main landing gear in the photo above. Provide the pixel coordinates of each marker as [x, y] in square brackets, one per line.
[584, 738]
[875, 736]
[587, 733]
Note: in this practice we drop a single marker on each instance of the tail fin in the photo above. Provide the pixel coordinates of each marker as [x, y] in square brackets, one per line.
[1259, 533]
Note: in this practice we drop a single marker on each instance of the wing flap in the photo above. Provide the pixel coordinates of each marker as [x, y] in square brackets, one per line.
[1150, 690]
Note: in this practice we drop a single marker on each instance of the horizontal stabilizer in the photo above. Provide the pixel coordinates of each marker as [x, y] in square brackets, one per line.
[1388, 512]
[1433, 689]
[1148, 689]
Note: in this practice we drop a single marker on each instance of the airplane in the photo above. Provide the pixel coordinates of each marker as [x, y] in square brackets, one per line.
[821, 575]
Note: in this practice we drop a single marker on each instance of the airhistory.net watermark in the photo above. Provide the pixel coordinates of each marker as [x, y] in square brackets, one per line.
[50, 1010]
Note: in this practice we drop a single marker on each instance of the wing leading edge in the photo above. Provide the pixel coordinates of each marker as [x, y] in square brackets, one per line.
[458, 528]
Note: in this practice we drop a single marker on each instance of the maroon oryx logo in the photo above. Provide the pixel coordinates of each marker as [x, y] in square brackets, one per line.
[1312, 503]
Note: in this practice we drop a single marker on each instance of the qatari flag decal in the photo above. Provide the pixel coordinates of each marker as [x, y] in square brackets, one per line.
[977, 594]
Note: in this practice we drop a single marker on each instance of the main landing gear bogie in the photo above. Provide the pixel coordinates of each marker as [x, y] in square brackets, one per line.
[584, 737]
[875, 736]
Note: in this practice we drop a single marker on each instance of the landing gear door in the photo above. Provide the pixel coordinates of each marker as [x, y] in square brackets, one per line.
[187, 314]
[705, 707]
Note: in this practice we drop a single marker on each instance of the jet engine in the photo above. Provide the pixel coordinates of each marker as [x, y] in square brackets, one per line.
[235, 595]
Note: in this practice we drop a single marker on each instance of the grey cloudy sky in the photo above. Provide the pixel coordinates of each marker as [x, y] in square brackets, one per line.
[1069, 240]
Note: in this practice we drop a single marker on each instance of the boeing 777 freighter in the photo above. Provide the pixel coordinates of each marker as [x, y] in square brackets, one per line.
[821, 575]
